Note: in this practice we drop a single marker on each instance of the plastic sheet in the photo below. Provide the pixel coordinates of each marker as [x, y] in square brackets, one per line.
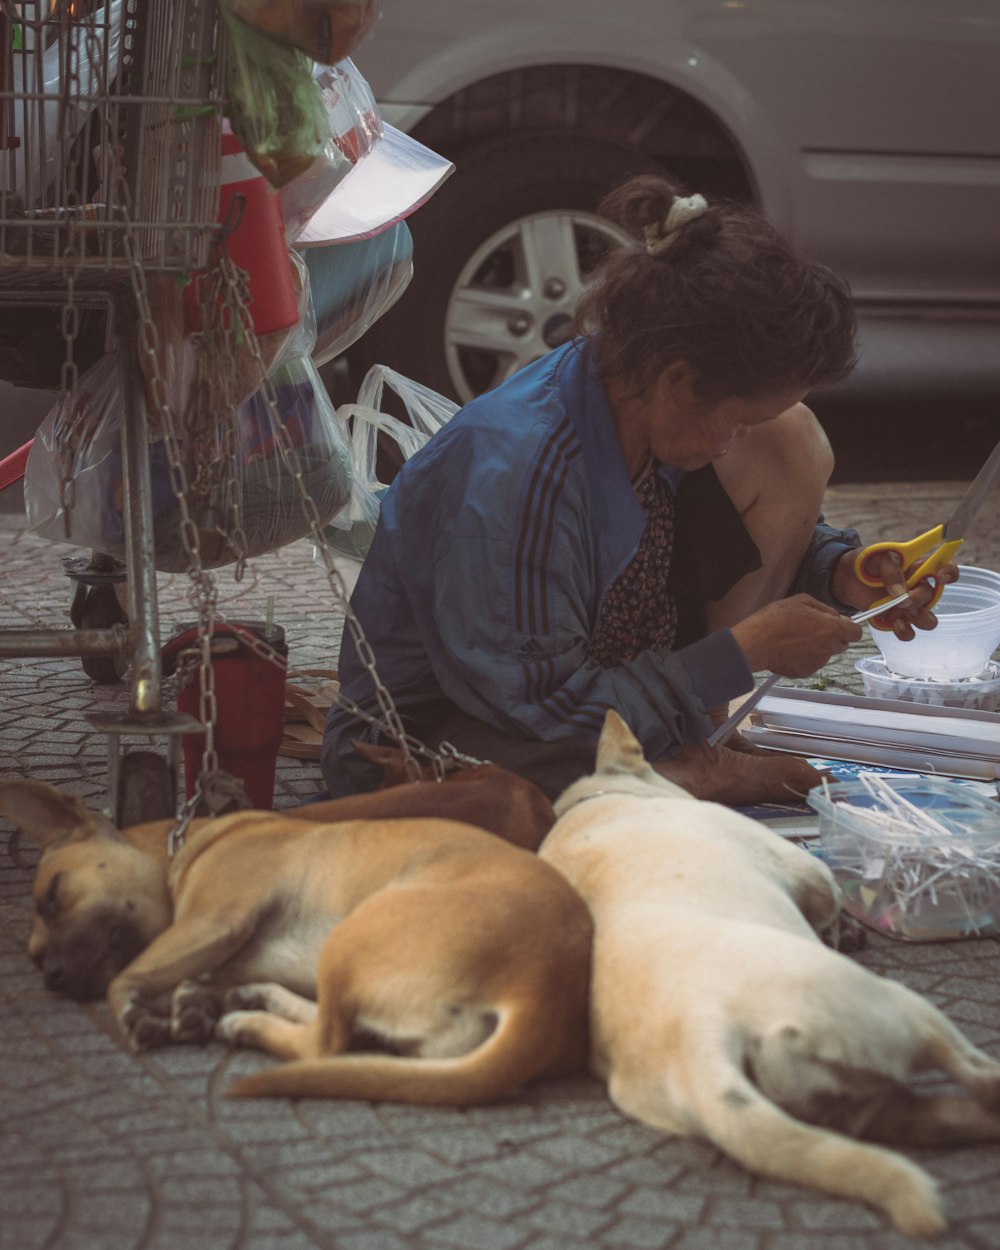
[353, 284]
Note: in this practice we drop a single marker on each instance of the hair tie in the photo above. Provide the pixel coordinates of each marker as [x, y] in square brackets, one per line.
[661, 234]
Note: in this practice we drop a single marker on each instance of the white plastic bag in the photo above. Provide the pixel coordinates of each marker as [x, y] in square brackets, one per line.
[81, 442]
[351, 531]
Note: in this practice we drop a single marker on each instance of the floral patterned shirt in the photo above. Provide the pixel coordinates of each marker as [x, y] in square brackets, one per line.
[638, 612]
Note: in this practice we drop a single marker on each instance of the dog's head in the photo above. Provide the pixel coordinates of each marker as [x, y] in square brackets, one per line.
[621, 767]
[98, 900]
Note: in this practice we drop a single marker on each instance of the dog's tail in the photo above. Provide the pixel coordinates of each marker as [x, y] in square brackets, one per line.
[740, 1120]
[519, 1048]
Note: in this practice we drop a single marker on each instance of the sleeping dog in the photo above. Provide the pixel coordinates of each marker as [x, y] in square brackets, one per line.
[464, 957]
[717, 1011]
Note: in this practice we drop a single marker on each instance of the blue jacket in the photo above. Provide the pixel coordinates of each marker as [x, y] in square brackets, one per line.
[484, 582]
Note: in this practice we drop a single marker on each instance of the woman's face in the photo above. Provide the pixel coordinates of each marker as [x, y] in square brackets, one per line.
[687, 433]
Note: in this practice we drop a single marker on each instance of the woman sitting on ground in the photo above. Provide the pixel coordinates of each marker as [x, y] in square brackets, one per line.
[629, 522]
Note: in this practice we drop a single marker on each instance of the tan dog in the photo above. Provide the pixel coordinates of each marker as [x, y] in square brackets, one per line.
[716, 1011]
[432, 937]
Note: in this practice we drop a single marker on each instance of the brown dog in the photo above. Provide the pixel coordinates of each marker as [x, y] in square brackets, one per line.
[435, 938]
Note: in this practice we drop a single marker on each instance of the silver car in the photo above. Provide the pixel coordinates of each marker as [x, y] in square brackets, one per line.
[867, 130]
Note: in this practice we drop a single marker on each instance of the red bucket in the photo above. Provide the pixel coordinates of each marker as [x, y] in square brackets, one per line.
[250, 701]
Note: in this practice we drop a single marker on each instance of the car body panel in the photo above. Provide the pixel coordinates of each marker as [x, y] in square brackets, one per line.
[868, 127]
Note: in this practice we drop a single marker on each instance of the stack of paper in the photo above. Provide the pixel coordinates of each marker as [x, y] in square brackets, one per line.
[888, 732]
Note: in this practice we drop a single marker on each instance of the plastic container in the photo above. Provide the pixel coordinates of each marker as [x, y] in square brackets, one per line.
[967, 633]
[914, 886]
[981, 692]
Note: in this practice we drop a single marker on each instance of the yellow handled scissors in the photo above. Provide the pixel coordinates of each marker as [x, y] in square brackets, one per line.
[939, 544]
[920, 559]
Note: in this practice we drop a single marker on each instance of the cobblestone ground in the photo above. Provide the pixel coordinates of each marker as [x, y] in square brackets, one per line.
[104, 1150]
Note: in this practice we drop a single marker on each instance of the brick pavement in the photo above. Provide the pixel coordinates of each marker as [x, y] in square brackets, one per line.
[103, 1150]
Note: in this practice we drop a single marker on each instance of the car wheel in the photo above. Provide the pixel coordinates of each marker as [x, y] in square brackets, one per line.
[501, 255]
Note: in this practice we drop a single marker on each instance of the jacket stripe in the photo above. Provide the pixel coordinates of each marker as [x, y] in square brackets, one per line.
[537, 528]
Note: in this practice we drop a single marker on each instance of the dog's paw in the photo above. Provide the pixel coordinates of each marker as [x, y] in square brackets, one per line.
[146, 1025]
[246, 998]
[194, 1011]
[234, 1028]
[914, 1204]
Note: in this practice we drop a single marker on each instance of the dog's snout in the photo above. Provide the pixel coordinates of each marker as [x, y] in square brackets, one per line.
[55, 975]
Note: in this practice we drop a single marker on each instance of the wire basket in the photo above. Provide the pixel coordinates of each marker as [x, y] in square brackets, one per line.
[110, 115]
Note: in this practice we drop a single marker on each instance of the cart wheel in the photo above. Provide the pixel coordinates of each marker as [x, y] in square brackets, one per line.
[97, 607]
[146, 789]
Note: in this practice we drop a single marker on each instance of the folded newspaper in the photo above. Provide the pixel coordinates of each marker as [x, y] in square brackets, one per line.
[949, 742]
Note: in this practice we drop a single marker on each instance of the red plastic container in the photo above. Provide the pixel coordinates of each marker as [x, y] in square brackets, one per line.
[257, 243]
[250, 697]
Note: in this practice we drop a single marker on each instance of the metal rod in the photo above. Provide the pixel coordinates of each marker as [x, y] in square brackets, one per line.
[22, 643]
[140, 562]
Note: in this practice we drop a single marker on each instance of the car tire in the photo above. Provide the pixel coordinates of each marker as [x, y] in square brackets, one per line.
[548, 181]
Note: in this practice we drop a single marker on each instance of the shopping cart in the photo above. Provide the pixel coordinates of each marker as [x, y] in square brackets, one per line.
[110, 122]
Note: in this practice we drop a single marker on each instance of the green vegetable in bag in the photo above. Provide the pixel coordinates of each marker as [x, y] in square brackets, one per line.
[272, 101]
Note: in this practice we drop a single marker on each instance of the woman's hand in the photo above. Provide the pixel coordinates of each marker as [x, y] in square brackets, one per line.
[794, 637]
[915, 614]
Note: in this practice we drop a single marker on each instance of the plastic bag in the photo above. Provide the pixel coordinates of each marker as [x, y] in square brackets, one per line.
[326, 30]
[351, 531]
[82, 443]
[353, 284]
[393, 180]
[355, 126]
[272, 101]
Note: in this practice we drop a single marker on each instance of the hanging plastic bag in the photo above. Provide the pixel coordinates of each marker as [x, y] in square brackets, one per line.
[326, 30]
[351, 531]
[237, 474]
[272, 102]
[353, 284]
[355, 127]
[396, 176]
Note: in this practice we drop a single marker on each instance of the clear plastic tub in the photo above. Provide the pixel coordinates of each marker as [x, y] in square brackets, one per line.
[912, 885]
[981, 692]
[967, 633]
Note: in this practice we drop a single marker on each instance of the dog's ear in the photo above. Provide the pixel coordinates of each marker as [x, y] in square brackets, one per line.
[48, 815]
[618, 751]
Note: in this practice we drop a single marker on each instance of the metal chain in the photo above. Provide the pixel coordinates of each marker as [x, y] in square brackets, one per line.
[203, 593]
[225, 309]
[392, 721]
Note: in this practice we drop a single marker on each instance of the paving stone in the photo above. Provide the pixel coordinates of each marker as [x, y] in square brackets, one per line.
[632, 1233]
[473, 1232]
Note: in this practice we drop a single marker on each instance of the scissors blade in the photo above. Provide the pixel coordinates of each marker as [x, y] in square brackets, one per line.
[958, 523]
[860, 617]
